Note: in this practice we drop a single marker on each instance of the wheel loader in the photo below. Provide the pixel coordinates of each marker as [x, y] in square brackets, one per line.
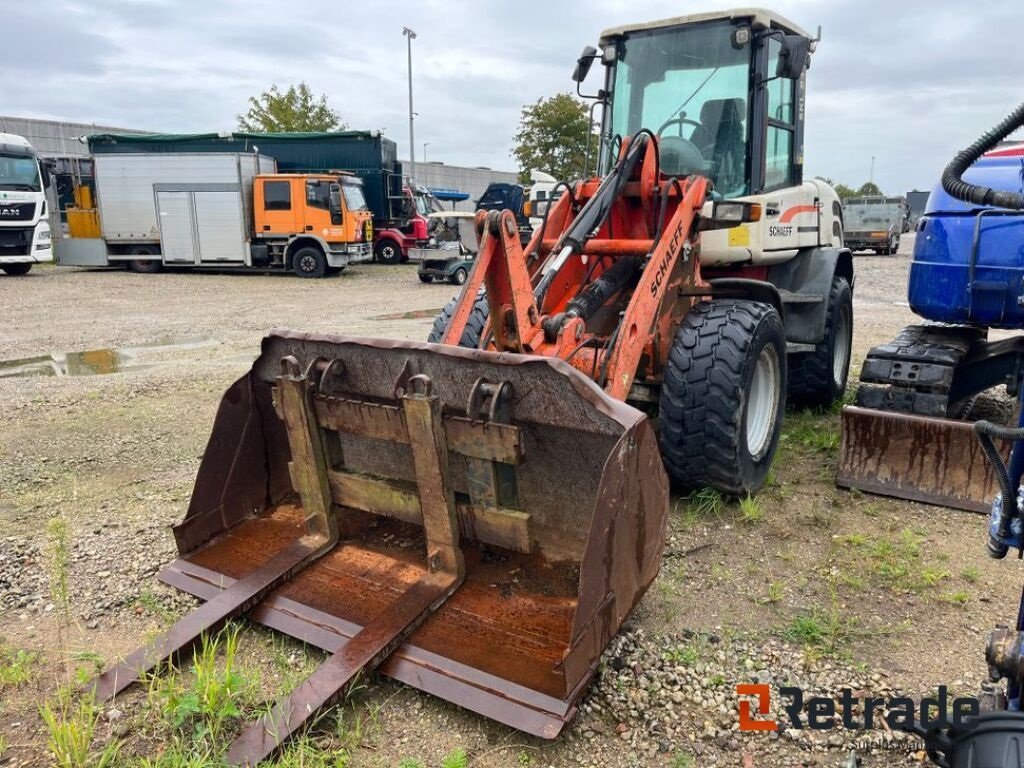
[477, 517]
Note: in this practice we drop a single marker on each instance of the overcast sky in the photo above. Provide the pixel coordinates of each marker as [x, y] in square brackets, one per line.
[907, 82]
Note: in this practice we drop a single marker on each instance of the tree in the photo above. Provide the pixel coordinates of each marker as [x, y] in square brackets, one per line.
[552, 137]
[295, 110]
[869, 188]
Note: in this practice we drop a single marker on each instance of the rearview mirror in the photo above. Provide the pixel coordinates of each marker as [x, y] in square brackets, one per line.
[584, 63]
[725, 214]
[794, 57]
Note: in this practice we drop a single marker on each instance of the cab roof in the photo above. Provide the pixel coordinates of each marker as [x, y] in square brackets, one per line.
[344, 176]
[759, 18]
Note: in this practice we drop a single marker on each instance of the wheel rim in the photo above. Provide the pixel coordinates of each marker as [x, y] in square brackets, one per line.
[307, 264]
[841, 353]
[460, 277]
[763, 402]
[387, 252]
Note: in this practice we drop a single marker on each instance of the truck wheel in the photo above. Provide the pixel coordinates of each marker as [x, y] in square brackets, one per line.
[387, 252]
[17, 270]
[309, 262]
[723, 396]
[424, 278]
[144, 266]
[458, 276]
[895, 247]
[817, 379]
[475, 326]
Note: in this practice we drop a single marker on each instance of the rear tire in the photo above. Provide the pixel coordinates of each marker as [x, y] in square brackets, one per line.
[387, 252]
[144, 266]
[424, 278]
[474, 327]
[17, 270]
[309, 262]
[723, 396]
[817, 379]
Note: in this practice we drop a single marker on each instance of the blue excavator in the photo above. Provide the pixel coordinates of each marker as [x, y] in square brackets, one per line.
[908, 434]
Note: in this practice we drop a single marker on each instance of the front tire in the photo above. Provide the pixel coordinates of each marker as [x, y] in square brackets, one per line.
[309, 262]
[817, 379]
[387, 252]
[474, 327]
[458, 277]
[723, 396]
[17, 270]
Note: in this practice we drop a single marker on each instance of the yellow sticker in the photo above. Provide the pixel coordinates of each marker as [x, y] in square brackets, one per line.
[739, 237]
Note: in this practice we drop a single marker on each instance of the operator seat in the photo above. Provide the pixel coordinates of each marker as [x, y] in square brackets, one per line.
[720, 137]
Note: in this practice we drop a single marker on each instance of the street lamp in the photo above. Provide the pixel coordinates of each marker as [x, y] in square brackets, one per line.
[410, 36]
[425, 145]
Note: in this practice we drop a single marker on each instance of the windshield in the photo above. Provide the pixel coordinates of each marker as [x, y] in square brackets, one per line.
[354, 198]
[423, 204]
[19, 172]
[689, 86]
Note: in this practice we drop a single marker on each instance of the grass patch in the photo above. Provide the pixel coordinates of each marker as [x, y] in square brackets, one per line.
[970, 574]
[821, 630]
[457, 758]
[16, 667]
[70, 729]
[706, 502]
[751, 511]
[811, 431]
[894, 562]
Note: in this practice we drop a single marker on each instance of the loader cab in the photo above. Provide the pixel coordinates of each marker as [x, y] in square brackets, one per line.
[724, 93]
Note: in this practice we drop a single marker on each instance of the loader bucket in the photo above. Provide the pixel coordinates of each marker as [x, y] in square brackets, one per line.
[558, 491]
[920, 458]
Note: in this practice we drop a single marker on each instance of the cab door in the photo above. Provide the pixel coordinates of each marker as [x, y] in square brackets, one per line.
[279, 207]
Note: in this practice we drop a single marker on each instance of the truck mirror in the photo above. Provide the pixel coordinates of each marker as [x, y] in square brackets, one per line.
[335, 204]
[584, 63]
[794, 57]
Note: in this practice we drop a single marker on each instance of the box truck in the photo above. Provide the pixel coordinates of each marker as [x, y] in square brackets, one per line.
[399, 209]
[220, 210]
[24, 226]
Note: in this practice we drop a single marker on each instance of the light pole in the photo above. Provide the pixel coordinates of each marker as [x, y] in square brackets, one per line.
[410, 36]
[425, 145]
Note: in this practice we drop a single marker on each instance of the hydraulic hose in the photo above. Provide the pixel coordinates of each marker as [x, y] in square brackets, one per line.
[952, 177]
[986, 431]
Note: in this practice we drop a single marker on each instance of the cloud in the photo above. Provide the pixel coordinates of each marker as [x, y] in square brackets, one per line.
[907, 84]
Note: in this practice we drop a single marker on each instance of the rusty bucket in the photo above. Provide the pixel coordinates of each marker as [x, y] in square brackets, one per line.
[344, 474]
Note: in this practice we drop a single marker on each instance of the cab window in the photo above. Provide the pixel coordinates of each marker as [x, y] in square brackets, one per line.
[318, 194]
[781, 135]
[277, 196]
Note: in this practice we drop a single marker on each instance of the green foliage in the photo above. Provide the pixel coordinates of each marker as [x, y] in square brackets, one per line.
[869, 189]
[683, 760]
[177, 757]
[15, 666]
[552, 137]
[70, 730]
[295, 110]
[212, 700]
[457, 758]
[750, 510]
[970, 574]
[59, 566]
[409, 762]
[706, 502]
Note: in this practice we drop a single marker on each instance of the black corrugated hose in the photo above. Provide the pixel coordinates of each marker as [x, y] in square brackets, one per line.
[952, 177]
[985, 431]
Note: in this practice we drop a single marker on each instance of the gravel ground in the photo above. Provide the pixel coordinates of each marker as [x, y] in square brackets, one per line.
[112, 458]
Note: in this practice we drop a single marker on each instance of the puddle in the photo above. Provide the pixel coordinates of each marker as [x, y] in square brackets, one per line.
[413, 314]
[94, 362]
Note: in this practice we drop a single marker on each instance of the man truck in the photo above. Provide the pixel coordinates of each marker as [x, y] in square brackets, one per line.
[874, 223]
[218, 210]
[24, 226]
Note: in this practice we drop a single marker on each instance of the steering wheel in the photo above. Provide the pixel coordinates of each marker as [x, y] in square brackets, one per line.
[680, 120]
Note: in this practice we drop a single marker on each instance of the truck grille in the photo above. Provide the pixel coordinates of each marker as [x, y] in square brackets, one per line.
[17, 211]
[16, 241]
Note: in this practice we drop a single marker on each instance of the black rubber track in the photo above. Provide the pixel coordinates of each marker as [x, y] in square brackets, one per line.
[811, 382]
[475, 326]
[703, 395]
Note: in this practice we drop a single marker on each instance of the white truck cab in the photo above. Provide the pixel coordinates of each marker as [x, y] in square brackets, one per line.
[24, 227]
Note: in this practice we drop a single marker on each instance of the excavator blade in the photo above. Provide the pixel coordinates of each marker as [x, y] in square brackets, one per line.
[931, 460]
[492, 519]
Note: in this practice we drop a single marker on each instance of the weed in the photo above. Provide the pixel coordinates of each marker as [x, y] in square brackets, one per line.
[151, 604]
[93, 665]
[970, 574]
[750, 510]
[775, 593]
[956, 598]
[409, 762]
[3, 745]
[177, 757]
[15, 667]
[716, 680]
[524, 758]
[304, 753]
[707, 502]
[823, 631]
[893, 562]
[682, 760]
[818, 432]
[457, 758]
[70, 730]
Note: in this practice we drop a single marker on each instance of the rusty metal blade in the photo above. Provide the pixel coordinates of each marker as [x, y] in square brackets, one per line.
[209, 617]
[931, 460]
[364, 652]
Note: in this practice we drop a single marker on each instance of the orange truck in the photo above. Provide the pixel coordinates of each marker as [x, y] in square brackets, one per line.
[217, 210]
